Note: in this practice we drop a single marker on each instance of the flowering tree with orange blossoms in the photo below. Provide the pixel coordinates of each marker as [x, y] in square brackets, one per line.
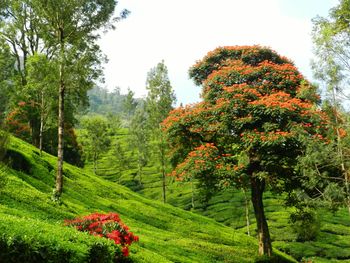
[248, 131]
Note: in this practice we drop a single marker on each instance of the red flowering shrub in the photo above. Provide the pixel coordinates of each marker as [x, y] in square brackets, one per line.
[106, 225]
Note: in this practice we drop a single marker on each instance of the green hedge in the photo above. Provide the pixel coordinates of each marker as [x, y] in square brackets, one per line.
[27, 240]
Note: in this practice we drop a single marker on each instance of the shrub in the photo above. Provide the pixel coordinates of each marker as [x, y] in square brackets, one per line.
[108, 226]
[28, 240]
[306, 224]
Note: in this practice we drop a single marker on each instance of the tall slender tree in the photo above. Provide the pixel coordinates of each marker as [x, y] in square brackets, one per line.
[72, 26]
[160, 101]
[140, 137]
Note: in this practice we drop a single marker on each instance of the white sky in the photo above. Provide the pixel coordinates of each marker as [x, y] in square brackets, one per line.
[183, 31]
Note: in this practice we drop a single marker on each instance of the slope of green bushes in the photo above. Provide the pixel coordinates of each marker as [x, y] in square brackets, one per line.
[228, 207]
[167, 234]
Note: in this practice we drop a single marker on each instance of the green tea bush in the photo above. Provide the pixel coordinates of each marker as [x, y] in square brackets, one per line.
[26, 240]
[306, 224]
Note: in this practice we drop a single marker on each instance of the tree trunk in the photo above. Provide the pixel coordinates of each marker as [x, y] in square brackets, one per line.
[95, 163]
[162, 156]
[164, 185]
[41, 124]
[59, 176]
[340, 150]
[246, 204]
[258, 186]
[140, 169]
[192, 193]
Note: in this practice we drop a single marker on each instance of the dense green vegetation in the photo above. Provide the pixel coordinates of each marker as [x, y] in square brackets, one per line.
[332, 244]
[167, 234]
[258, 170]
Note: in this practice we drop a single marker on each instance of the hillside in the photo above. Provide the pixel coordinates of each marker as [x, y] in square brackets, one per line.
[167, 234]
[228, 208]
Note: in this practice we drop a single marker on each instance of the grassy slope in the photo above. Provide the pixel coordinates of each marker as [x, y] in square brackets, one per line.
[332, 244]
[167, 234]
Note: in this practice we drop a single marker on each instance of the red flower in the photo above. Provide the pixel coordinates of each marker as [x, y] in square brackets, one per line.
[108, 226]
[125, 251]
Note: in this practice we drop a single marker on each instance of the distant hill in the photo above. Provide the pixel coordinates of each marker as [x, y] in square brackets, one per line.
[103, 101]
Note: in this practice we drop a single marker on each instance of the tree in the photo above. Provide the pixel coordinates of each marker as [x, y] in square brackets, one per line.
[19, 29]
[42, 81]
[119, 157]
[95, 137]
[140, 138]
[129, 103]
[6, 74]
[331, 66]
[248, 130]
[72, 27]
[160, 100]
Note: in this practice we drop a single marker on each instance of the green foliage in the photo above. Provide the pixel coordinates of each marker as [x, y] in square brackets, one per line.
[4, 141]
[331, 67]
[228, 207]
[6, 74]
[102, 101]
[30, 240]
[167, 234]
[140, 138]
[160, 97]
[306, 224]
[95, 137]
[129, 104]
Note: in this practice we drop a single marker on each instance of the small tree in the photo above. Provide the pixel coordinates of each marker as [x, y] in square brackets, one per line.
[247, 131]
[139, 140]
[119, 157]
[95, 137]
[129, 104]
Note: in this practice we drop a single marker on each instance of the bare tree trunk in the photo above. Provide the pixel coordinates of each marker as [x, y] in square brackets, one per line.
[140, 169]
[41, 124]
[61, 93]
[162, 156]
[192, 193]
[164, 184]
[246, 203]
[95, 163]
[258, 187]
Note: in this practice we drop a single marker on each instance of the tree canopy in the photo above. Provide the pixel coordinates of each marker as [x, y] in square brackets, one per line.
[248, 130]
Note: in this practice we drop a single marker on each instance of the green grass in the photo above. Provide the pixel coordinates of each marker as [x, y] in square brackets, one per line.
[167, 234]
[228, 208]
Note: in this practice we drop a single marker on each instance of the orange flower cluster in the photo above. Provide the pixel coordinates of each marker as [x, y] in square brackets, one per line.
[184, 114]
[271, 136]
[282, 100]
